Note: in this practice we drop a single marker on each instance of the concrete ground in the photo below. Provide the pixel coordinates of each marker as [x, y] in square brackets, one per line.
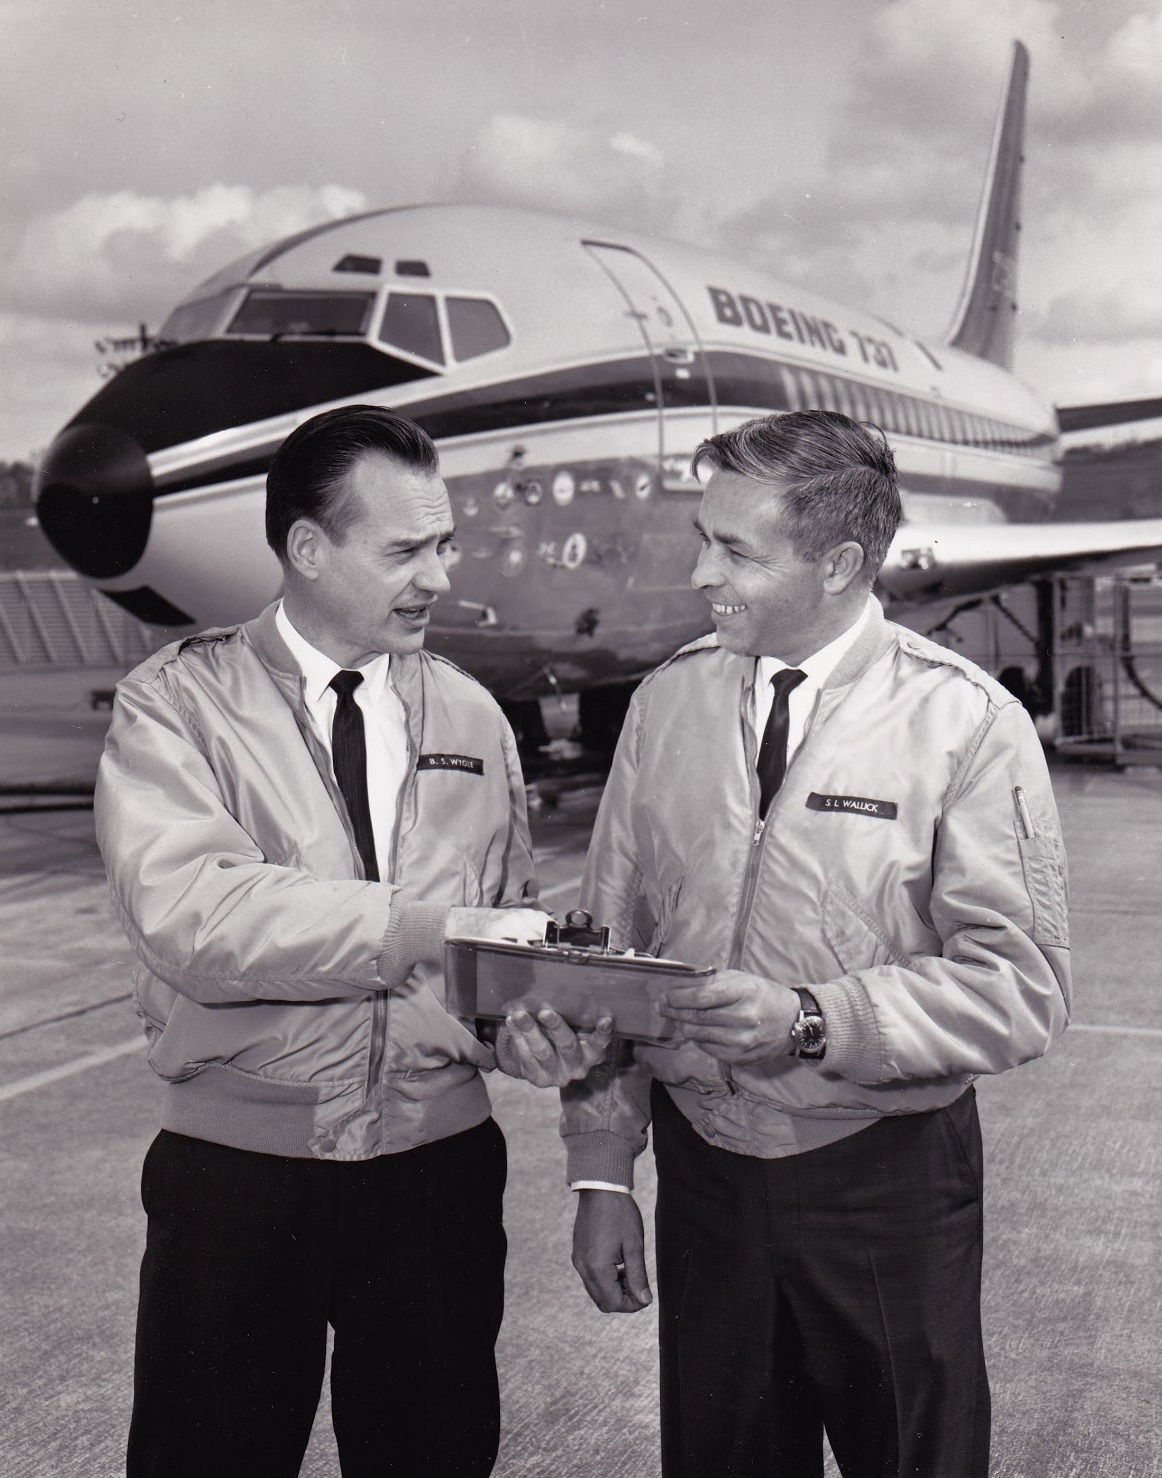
[1072, 1280]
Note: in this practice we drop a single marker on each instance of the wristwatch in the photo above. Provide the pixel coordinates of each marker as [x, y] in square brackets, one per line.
[809, 1031]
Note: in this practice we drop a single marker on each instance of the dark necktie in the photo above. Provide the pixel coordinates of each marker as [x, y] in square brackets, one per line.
[772, 764]
[349, 756]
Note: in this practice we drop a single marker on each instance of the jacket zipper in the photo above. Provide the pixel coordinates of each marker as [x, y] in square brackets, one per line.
[380, 1001]
[750, 875]
[753, 862]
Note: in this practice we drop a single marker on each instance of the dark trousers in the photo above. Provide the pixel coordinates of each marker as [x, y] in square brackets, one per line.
[249, 1257]
[837, 1290]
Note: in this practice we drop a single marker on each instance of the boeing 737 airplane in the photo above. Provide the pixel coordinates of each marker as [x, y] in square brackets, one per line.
[567, 372]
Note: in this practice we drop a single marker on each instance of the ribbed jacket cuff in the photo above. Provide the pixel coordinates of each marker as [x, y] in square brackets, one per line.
[853, 1039]
[599, 1155]
[415, 932]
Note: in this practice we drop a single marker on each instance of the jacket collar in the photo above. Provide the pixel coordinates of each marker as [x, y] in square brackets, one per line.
[871, 643]
[264, 636]
[405, 673]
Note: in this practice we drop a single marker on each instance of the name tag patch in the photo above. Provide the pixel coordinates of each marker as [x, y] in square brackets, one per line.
[854, 805]
[466, 762]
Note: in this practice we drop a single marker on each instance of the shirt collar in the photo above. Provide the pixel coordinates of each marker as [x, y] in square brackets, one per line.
[821, 664]
[318, 669]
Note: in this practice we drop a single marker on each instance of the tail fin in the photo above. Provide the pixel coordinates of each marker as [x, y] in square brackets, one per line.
[983, 323]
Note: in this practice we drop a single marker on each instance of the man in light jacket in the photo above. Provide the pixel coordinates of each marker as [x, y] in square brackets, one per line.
[293, 814]
[856, 828]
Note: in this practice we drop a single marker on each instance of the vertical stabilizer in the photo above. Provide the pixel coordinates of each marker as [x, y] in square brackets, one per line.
[984, 320]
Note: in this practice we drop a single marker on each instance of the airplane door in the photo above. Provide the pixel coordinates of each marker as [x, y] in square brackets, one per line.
[681, 372]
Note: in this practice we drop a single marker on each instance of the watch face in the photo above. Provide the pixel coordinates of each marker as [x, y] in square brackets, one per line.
[810, 1035]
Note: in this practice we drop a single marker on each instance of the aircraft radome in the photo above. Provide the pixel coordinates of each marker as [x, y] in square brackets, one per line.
[567, 372]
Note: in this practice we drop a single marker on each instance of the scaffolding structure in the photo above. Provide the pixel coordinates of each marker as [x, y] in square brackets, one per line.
[1108, 661]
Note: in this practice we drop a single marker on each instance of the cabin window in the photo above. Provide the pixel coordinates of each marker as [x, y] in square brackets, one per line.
[476, 327]
[269, 313]
[410, 323]
[791, 391]
[827, 396]
[808, 390]
[843, 398]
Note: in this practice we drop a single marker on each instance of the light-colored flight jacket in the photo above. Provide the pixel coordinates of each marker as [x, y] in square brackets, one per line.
[291, 1006]
[910, 873]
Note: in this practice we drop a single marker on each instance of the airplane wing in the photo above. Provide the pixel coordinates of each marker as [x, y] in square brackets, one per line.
[1079, 418]
[930, 562]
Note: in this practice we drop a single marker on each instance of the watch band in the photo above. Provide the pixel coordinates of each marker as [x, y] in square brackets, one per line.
[809, 1031]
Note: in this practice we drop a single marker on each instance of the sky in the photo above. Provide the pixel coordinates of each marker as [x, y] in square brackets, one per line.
[840, 144]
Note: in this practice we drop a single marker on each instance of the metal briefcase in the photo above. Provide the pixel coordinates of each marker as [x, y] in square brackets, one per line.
[574, 971]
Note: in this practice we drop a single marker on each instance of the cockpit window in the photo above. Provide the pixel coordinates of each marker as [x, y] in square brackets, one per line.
[476, 327]
[267, 312]
[190, 322]
[410, 323]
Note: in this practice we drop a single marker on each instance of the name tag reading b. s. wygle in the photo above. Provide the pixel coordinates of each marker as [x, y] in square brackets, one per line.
[468, 763]
[852, 805]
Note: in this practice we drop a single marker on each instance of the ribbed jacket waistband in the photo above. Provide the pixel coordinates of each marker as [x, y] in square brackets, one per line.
[270, 1117]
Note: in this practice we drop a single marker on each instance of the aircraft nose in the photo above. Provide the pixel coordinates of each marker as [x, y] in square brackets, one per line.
[95, 499]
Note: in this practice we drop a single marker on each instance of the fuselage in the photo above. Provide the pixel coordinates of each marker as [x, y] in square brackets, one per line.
[567, 374]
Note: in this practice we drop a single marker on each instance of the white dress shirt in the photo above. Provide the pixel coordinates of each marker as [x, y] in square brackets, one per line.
[804, 699]
[802, 704]
[384, 729]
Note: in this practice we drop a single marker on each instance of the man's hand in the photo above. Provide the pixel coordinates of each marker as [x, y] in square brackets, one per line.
[609, 1251]
[547, 1052]
[519, 925]
[736, 1017]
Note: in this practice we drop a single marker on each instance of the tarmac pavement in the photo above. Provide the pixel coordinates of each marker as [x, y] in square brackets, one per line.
[1072, 1278]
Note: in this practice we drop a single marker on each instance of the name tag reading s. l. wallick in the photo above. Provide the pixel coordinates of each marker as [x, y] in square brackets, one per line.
[853, 805]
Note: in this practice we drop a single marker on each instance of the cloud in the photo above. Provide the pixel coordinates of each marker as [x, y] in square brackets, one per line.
[551, 164]
[124, 253]
[892, 223]
[47, 371]
[1094, 270]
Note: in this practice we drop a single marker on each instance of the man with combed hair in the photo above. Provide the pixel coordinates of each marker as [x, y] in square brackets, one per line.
[856, 828]
[294, 813]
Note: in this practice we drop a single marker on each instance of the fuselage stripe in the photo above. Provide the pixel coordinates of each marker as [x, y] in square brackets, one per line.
[745, 383]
